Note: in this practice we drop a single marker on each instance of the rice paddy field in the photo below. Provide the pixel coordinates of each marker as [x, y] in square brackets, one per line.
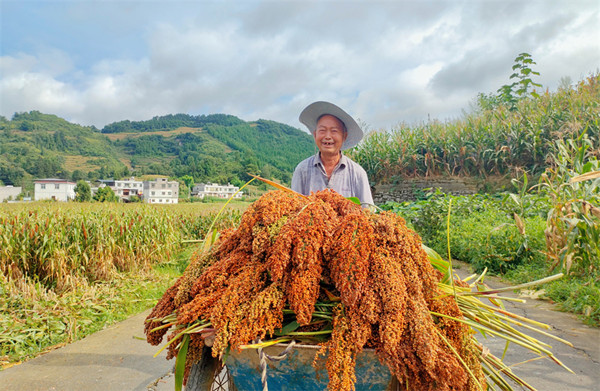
[70, 269]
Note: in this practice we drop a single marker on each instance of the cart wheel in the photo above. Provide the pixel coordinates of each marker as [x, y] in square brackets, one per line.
[208, 375]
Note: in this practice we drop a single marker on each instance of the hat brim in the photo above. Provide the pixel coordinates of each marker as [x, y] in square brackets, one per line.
[314, 111]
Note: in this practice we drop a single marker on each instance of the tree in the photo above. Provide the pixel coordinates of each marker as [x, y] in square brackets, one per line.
[105, 194]
[46, 167]
[510, 94]
[565, 83]
[83, 191]
[523, 72]
[267, 171]
[184, 191]
[11, 174]
[188, 180]
[26, 126]
[77, 175]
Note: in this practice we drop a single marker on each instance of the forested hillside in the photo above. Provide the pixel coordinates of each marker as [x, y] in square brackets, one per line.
[218, 147]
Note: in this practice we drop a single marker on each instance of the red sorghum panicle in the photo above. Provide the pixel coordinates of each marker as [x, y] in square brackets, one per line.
[287, 252]
[165, 306]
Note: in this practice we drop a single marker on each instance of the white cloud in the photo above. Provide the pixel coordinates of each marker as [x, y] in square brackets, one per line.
[383, 61]
[25, 91]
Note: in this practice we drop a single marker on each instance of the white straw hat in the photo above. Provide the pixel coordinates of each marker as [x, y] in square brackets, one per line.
[311, 114]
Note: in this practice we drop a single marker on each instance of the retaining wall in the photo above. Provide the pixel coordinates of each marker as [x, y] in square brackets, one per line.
[409, 189]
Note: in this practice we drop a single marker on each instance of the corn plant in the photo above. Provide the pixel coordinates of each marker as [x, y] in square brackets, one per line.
[573, 225]
[490, 141]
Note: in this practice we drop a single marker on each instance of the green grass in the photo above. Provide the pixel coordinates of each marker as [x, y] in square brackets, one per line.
[571, 293]
[40, 320]
[484, 234]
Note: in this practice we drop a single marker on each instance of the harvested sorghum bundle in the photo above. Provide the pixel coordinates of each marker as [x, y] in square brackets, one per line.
[289, 252]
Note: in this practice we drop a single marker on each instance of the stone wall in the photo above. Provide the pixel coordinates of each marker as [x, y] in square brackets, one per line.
[409, 188]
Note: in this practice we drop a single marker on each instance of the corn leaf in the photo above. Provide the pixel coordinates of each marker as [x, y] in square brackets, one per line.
[180, 362]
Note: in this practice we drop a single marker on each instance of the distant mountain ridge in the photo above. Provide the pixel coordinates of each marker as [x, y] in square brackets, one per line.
[216, 147]
[171, 122]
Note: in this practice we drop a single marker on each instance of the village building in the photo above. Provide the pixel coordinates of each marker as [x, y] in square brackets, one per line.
[215, 190]
[53, 189]
[160, 191]
[9, 192]
[125, 188]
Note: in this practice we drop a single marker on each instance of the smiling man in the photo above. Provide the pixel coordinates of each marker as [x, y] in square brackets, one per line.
[333, 130]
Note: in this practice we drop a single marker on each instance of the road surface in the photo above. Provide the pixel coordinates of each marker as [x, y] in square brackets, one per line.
[119, 359]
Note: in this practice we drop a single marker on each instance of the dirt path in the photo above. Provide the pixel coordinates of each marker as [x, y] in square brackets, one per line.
[116, 359]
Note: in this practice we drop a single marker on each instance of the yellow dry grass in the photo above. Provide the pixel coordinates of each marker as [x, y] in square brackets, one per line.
[182, 130]
[78, 162]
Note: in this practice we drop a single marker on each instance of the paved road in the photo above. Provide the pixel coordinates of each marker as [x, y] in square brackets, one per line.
[115, 360]
[583, 358]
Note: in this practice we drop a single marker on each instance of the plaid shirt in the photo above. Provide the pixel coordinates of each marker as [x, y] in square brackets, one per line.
[348, 178]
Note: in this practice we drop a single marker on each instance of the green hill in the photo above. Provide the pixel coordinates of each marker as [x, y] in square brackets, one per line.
[218, 148]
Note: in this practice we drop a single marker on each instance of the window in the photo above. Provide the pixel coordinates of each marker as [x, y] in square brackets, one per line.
[57, 186]
[152, 192]
[43, 186]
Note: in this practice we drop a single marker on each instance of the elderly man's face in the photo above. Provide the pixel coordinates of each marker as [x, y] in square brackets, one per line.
[330, 135]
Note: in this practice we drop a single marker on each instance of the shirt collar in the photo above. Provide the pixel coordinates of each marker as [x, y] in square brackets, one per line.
[342, 163]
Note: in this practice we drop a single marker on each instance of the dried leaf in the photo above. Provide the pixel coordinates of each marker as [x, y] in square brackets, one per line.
[585, 177]
[520, 224]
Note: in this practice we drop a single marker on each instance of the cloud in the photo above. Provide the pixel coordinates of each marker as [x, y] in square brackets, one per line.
[475, 71]
[384, 61]
[26, 91]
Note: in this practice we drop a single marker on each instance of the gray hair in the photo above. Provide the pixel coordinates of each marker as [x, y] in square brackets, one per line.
[342, 122]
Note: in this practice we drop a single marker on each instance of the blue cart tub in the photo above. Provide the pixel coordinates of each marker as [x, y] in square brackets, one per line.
[294, 372]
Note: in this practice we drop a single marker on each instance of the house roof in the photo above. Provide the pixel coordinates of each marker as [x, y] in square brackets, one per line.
[53, 180]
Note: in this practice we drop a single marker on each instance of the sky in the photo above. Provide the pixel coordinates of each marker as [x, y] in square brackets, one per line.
[384, 62]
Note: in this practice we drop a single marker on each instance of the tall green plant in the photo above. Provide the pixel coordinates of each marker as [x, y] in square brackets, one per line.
[573, 225]
[523, 73]
[83, 191]
[492, 141]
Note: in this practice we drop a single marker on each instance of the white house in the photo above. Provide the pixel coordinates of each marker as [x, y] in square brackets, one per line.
[11, 192]
[160, 191]
[53, 189]
[215, 190]
[125, 188]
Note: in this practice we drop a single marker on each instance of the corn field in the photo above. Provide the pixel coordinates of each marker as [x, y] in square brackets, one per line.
[496, 141]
